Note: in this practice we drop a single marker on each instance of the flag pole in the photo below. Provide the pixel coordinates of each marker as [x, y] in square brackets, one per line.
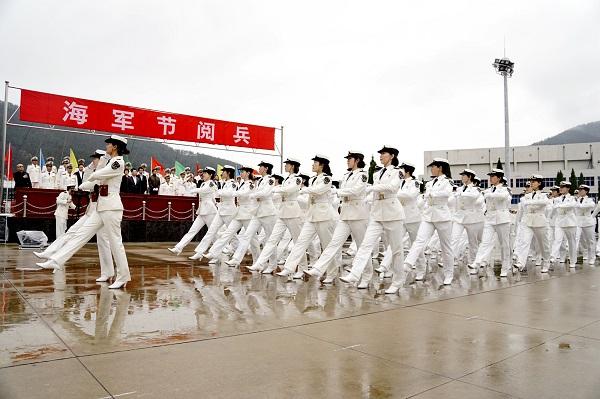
[4, 124]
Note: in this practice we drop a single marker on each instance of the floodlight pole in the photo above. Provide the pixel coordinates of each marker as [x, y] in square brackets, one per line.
[506, 134]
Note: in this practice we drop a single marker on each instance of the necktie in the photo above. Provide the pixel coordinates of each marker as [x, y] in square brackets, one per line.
[563, 200]
[434, 181]
[382, 173]
[464, 188]
[494, 189]
[241, 185]
[534, 193]
[402, 186]
[349, 174]
[581, 200]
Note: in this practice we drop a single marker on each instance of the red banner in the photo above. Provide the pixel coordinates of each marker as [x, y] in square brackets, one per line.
[79, 113]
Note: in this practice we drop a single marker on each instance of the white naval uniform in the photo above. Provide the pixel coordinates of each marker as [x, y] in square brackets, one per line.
[320, 221]
[34, 173]
[436, 217]
[106, 261]
[354, 215]
[47, 179]
[205, 213]
[595, 215]
[64, 202]
[566, 227]
[497, 220]
[108, 215]
[534, 224]
[289, 219]
[226, 212]
[265, 217]
[247, 207]
[469, 217]
[386, 219]
[65, 180]
[587, 224]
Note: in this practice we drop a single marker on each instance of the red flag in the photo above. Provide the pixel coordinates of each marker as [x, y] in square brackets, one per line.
[154, 163]
[9, 163]
[198, 167]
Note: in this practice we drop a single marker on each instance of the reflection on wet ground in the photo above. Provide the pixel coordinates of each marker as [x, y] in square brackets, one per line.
[173, 305]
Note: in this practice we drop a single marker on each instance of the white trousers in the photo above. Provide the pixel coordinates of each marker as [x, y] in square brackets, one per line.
[110, 222]
[426, 230]
[393, 234]
[474, 234]
[199, 223]
[310, 230]
[570, 234]
[524, 243]
[107, 267]
[61, 226]
[588, 241]
[292, 225]
[331, 257]
[213, 230]
[232, 229]
[267, 223]
[412, 229]
[486, 246]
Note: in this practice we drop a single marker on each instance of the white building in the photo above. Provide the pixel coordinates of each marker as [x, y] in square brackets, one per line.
[545, 160]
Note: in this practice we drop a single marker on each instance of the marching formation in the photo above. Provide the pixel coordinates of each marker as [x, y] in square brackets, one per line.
[296, 226]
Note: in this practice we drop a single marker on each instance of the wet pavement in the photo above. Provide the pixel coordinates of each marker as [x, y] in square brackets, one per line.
[188, 329]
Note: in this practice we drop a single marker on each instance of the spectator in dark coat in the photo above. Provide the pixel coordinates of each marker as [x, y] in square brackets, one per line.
[21, 177]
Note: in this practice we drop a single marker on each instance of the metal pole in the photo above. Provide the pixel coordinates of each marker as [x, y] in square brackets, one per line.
[281, 154]
[507, 166]
[4, 121]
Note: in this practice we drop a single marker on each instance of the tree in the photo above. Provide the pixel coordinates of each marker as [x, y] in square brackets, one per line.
[559, 177]
[573, 181]
[499, 164]
[372, 166]
[580, 180]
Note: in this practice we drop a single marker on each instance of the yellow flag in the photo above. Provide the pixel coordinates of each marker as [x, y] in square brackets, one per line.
[73, 159]
[219, 170]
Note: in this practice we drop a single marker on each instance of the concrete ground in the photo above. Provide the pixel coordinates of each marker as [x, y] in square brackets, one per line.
[183, 329]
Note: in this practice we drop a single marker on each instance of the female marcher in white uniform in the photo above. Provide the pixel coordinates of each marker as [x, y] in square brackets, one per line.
[468, 216]
[289, 216]
[353, 220]
[226, 211]
[246, 210]
[265, 215]
[587, 223]
[436, 217]
[320, 219]
[107, 268]
[387, 219]
[206, 209]
[108, 215]
[497, 221]
[533, 225]
[566, 224]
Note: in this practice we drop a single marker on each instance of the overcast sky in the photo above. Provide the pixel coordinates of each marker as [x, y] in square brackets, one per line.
[338, 75]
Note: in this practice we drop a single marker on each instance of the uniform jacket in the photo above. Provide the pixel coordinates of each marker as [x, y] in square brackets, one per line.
[263, 193]
[227, 195]
[469, 202]
[437, 192]
[565, 206]
[206, 198]
[536, 204]
[47, 179]
[352, 192]
[386, 206]
[289, 191]
[34, 173]
[109, 175]
[247, 204]
[409, 194]
[318, 190]
[585, 207]
[63, 203]
[497, 205]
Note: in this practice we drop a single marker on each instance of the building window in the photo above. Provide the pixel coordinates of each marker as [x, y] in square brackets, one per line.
[520, 183]
[484, 184]
[516, 198]
[589, 180]
[549, 181]
[458, 182]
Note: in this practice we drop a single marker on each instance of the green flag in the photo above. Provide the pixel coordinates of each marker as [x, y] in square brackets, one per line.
[179, 168]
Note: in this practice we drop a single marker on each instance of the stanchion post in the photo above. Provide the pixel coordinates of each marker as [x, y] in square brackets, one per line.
[193, 210]
[169, 209]
[4, 125]
[24, 206]
[143, 210]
